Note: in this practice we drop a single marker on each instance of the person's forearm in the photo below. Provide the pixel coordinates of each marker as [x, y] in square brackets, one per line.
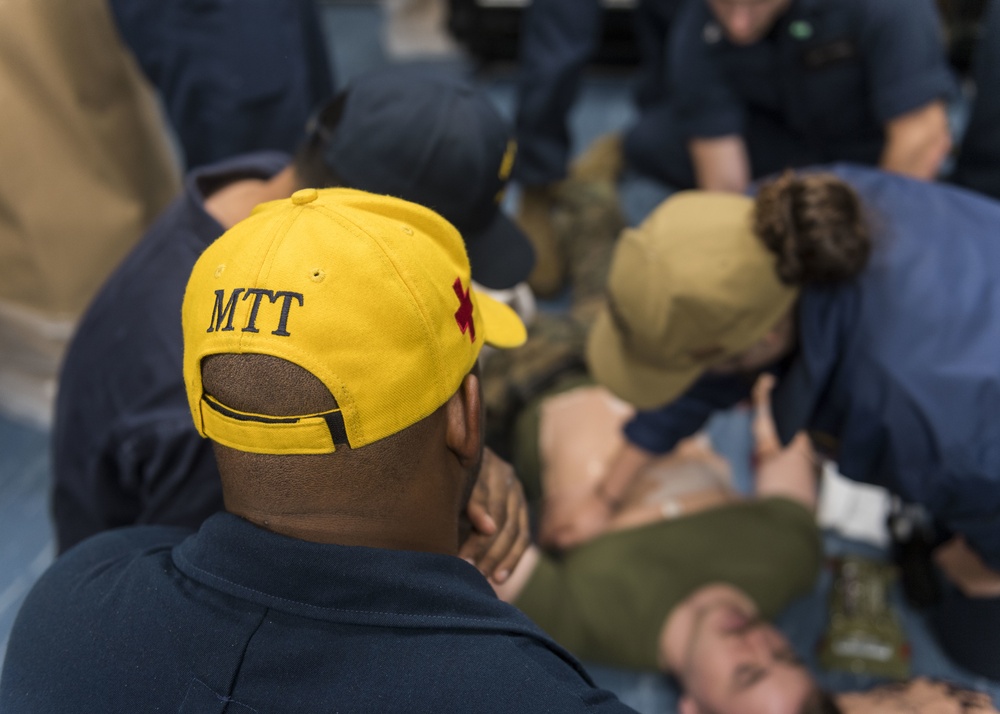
[917, 143]
[966, 569]
[621, 474]
[791, 472]
[721, 164]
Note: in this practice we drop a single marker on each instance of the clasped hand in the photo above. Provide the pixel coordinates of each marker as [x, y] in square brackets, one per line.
[498, 514]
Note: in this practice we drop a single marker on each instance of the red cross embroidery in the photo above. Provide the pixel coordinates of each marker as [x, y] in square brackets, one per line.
[463, 316]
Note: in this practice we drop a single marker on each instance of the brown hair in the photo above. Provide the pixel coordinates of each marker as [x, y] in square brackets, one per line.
[815, 226]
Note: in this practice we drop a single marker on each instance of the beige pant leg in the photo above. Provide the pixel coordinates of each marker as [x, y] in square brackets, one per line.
[86, 166]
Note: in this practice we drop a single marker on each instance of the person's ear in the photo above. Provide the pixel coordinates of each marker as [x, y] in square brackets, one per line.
[464, 428]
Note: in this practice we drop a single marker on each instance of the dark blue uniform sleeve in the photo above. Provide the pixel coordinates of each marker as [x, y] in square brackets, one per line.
[158, 472]
[56, 623]
[706, 106]
[659, 430]
[904, 51]
[179, 483]
[558, 37]
[234, 75]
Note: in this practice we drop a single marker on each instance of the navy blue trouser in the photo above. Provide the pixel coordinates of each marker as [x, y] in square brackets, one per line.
[558, 38]
[978, 165]
[968, 630]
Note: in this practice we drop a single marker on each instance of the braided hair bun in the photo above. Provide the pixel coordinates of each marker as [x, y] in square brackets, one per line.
[814, 225]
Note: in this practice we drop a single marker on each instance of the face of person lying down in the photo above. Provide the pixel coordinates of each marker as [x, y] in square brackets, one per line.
[735, 663]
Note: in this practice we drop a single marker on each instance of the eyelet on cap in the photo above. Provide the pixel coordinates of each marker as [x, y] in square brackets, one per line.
[304, 196]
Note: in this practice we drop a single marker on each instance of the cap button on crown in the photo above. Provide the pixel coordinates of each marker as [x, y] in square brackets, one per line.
[304, 196]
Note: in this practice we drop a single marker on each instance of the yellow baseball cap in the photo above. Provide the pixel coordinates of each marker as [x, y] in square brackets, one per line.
[370, 294]
[690, 287]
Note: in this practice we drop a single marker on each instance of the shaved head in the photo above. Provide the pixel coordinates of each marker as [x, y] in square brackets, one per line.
[385, 481]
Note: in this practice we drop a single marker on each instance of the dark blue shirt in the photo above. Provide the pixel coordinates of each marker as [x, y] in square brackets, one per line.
[125, 449]
[235, 76]
[830, 72]
[238, 619]
[897, 373]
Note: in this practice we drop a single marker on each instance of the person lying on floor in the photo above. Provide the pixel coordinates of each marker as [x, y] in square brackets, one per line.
[698, 567]
[690, 573]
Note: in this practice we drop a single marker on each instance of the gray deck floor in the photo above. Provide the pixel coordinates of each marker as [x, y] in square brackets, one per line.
[25, 530]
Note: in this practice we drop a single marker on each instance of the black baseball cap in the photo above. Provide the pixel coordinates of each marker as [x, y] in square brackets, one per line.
[435, 139]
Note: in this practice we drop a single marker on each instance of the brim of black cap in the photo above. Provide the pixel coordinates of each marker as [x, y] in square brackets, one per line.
[500, 254]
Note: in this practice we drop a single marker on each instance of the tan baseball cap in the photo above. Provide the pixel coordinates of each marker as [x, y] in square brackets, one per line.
[690, 287]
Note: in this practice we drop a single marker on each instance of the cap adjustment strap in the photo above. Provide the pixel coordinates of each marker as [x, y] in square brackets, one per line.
[259, 433]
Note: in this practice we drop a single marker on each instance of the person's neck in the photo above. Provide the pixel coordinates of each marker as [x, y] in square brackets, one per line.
[233, 202]
[386, 531]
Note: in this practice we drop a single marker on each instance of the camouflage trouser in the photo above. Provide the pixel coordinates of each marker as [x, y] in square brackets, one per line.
[587, 221]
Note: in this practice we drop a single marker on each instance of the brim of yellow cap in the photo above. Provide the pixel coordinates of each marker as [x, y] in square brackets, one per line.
[636, 382]
[501, 326]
